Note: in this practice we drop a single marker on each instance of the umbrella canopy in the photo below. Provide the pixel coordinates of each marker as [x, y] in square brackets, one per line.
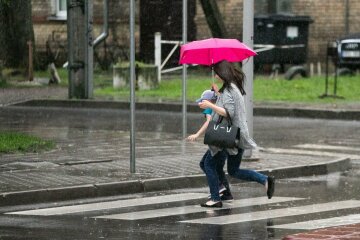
[213, 50]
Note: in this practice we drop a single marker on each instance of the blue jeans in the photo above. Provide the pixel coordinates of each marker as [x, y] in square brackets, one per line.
[233, 166]
[210, 165]
[219, 167]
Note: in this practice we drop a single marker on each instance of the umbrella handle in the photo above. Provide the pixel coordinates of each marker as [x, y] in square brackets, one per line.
[212, 71]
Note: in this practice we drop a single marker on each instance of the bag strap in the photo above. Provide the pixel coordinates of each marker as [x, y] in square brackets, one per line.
[219, 119]
[228, 118]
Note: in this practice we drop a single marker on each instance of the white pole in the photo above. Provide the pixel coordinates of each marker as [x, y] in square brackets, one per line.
[319, 69]
[248, 66]
[184, 71]
[158, 54]
[132, 86]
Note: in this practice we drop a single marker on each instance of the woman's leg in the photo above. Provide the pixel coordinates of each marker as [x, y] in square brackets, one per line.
[243, 174]
[202, 162]
[221, 158]
[210, 163]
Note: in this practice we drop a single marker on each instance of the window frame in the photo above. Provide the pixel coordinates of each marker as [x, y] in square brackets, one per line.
[60, 13]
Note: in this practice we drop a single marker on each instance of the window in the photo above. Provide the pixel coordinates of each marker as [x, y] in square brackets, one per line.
[61, 8]
[273, 6]
[283, 6]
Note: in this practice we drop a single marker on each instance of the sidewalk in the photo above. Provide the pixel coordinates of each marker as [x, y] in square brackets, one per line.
[91, 162]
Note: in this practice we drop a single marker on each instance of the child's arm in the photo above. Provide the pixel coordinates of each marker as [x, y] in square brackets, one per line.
[207, 104]
[193, 137]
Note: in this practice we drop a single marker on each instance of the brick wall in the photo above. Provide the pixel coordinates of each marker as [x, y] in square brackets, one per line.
[40, 8]
[354, 18]
[232, 16]
[48, 27]
[328, 16]
[329, 24]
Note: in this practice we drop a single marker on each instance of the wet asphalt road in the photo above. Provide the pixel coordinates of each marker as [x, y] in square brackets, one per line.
[81, 225]
[268, 132]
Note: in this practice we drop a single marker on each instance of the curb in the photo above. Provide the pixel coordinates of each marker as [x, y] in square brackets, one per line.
[307, 113]
[192, 107]
[156, 184]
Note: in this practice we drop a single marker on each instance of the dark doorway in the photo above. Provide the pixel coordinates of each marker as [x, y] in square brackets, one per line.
[163, 16]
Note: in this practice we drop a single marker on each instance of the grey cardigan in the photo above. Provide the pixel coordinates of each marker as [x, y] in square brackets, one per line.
[233, 101]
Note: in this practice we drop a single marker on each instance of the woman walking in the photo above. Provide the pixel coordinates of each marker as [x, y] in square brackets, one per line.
[231, 100]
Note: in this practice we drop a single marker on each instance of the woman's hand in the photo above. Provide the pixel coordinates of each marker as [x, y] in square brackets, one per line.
[192, 137]
[215, 88]
[206, 104]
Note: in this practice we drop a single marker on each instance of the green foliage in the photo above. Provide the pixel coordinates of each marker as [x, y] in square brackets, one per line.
[11, 142]
[305, 89]
[168, 90]
[5, 2]
[16, 30]
[265, 89]
[3, 83]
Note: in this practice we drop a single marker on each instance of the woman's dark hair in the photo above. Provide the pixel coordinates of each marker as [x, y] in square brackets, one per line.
[228, 73]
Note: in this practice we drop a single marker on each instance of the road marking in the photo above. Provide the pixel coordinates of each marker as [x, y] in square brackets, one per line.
[322, 223]
[111, 204]
[313, 153]
[327, 147]
[165, 212]
[276, 213]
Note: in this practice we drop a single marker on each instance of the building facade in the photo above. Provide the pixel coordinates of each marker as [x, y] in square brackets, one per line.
[331, 19]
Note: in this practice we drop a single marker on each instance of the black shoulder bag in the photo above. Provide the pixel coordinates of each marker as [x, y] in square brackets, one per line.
[222, 134]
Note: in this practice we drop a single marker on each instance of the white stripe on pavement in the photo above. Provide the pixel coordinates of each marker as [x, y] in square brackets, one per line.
[327, 147]
[276, 213]
[322, 223]
[313, 153]
[165, 212]
[111, 204]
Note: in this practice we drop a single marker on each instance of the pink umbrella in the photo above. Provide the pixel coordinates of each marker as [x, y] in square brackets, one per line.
[213, 50]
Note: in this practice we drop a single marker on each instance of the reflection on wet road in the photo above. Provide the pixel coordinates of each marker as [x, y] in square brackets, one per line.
[300, 203]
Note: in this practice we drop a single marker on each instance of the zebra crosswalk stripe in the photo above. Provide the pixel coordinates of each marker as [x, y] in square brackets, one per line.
[165, 212]
[322, 223]
[276, 213]
[111, 204]
[327, 147]
[313, 153]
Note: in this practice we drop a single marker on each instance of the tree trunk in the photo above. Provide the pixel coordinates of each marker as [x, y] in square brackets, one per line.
[214, 18]
[16, 30]
[2, 79]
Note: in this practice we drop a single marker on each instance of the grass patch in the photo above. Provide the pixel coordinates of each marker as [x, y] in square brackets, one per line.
[168, 89]
[305, 90]
[300, 90]
[11, 142]
[3, 83]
